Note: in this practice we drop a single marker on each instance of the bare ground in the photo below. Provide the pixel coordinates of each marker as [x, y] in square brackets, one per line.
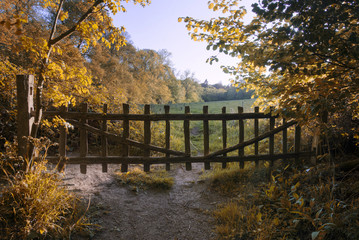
[183, 212]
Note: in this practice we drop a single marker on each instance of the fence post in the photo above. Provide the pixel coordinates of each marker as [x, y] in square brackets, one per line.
[271, 142]
[147, 137]
[104, 142]
[285, 139]
[125, 135]
[241, 138]
[297, 139]
[256, 134]
[168, 137]
[224, 136]
[25, 107]
[187, 138]
[207, 165]
[83, 138]
[62, 143]
[271, 138]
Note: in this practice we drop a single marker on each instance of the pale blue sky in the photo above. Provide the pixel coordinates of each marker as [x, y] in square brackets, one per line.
[156, 27]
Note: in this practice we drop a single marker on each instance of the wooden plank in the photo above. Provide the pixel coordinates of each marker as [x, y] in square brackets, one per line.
[62, 144]
[104, 143]
[147, 136]
[297, 142]
[125, 135]
[241, 138]
[251, 141]
[256, 134]
[187, 138]
[127, 141]
[157, 117]
[207, 165]
[83, 137]
[162, 160]
[224, 136]
[168, 136]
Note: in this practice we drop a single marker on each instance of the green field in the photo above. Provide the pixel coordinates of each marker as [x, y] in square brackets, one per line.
[215, 127]
[213, 107]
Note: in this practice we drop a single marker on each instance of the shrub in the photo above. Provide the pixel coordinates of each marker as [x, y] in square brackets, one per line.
[308, 204]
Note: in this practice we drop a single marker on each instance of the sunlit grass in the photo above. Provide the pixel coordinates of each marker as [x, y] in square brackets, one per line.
[232, 179]
[34, 204]
[138, 179]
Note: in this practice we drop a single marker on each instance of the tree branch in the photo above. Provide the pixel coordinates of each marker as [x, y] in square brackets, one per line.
[73, 29]
[53, 30]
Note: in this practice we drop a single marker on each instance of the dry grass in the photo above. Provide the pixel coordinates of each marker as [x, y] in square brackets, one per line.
[233, 180]
[35, 205]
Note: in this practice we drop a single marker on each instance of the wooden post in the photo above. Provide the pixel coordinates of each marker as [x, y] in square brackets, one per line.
[271, 143]
[297, 140]
[168, 137]
[104, 143]
[125, 134]
[271, 138]
[25, 107]
[241, 138]
[285, 138]
[83, 138]
[147, 137]
[62, 143]
[207, 165]
[187, 138]
[256, 134]
[224, 136]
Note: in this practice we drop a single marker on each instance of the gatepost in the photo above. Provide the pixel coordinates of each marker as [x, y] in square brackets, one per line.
[25, 108]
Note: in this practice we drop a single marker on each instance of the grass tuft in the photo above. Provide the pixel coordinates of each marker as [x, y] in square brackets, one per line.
[139, 179]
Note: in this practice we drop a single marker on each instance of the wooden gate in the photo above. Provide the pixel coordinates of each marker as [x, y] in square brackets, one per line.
[82, 120]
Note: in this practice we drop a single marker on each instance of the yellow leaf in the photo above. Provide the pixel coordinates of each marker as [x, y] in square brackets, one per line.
[276, 221]
[210, 6]
[179, 19]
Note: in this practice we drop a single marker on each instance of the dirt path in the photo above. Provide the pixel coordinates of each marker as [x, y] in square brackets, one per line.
[180, 213]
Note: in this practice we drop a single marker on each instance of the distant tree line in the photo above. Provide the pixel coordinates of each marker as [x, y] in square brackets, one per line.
[219, 92]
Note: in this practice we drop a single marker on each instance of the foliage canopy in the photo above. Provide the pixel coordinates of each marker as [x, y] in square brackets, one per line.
[299, 55]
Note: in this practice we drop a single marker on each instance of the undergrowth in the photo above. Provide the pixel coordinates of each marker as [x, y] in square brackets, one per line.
[138, 179]
[232, 180]
[297, 204]
[34, 204]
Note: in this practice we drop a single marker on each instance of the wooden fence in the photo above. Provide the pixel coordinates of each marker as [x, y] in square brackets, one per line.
[82, 120]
